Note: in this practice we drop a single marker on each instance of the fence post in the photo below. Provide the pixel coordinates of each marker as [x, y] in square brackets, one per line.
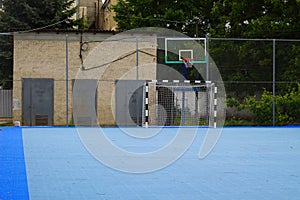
[207, 57]
[137, 57]
[207, 76]
[274, 79]
[67, 80]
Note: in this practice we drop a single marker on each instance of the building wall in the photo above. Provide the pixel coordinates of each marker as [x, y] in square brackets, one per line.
[90, 10]
[98, 15]
[43, 55]
[107, 21]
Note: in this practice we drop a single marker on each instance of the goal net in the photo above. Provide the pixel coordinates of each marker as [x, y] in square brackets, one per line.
[180, 103]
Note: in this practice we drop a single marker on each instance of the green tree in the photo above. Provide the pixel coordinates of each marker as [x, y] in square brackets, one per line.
[247, 62]
[256, 18]
[253, 60]
[222, 18]
[19, 15]
[238, 61]
[181, 16]
[30, 14]
[189, 17]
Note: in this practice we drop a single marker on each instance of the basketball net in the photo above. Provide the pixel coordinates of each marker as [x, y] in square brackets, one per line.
[187, 62]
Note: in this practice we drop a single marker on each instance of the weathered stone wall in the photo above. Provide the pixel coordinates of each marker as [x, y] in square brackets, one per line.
[107, 21]
[90, 9]
[43, 55]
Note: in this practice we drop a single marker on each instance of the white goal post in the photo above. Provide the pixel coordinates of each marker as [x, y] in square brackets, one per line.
[180, 103]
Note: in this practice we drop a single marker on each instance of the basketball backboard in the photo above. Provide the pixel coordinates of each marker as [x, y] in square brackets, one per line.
[192, 48]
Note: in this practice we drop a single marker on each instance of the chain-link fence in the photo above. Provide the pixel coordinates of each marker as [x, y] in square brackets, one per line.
[261, 76]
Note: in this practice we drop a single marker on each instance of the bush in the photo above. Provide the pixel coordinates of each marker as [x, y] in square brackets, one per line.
[286, 108]
[290, 104]
[261, 109]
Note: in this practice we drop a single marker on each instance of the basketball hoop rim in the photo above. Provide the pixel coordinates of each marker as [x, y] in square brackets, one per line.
[188, 62]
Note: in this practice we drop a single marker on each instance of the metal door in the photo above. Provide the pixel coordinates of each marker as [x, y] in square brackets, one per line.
[129, 102]
[37, 101]
[5, 103]
[84, 103]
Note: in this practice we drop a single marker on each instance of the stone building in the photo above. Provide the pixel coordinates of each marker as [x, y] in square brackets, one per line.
[107, 21]
[90, 12]
[98, 15]
[46, 64]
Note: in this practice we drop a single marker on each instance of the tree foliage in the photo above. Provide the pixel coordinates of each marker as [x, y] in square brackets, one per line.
[253, 60]
[248, 61]
[30, 14]
[25, 15]
[286, 108]
[261, 108]
[256, 18]
[177, 15]
[221, 18]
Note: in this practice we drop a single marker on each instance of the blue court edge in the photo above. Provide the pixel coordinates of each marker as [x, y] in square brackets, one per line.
[13, 179]
[246, 163]
[247, 127]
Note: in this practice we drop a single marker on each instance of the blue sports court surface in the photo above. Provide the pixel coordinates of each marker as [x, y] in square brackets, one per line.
[246, 163]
